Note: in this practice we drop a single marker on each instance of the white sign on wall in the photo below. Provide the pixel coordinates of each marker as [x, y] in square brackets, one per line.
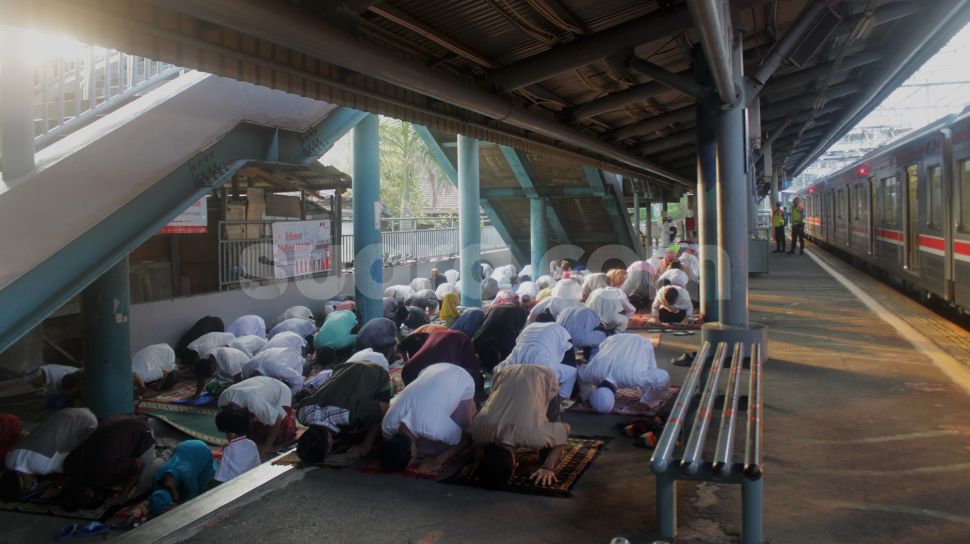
[194, 220]
[301, 248]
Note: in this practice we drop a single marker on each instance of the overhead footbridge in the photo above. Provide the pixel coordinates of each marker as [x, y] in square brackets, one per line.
[101, 191]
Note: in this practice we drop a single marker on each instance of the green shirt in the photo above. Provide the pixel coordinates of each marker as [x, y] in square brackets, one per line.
[335, 333]
[359, 387]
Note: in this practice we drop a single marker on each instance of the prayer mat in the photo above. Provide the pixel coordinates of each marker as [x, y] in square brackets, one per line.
[628, 403]
[183, 393]
[44, 501]
[193, 423]
[448, 468]
[576, 457]
[648, 321]
[337, 460]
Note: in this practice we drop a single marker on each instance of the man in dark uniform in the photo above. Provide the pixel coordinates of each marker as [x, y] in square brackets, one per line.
[797, 226]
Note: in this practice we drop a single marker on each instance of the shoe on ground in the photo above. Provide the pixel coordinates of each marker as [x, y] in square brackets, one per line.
[684, 360]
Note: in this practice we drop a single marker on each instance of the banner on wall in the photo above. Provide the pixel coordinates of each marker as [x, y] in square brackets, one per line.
[194, 220]
[301, 248]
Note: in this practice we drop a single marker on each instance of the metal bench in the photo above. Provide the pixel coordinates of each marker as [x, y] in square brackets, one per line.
[694, 417]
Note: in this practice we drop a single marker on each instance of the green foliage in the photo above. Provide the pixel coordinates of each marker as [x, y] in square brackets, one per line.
[405, 160]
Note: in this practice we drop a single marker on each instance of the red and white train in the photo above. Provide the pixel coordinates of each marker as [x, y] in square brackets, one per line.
[904, 210]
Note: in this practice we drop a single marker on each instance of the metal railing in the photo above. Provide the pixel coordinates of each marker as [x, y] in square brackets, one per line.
[419, 245]
[73, 90]
[248, 254]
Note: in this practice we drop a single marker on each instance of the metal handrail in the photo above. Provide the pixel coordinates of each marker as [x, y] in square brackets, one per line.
[753, 462]
[668, 439]
[94, 81]
[724, 453]
[691, 462]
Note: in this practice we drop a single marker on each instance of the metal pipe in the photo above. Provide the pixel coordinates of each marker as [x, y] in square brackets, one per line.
[694, 449]
[660, 460]
[469, 219]
[783, 48]
[667, 142]
[714, 26]
[723, 455]
[338, 46]
[753, 462]
[621, 99]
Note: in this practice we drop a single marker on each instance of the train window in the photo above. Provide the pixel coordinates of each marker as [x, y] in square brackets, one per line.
[935, 204]
[859, 196]
[840, 204]
[963, 170]
[890, 202]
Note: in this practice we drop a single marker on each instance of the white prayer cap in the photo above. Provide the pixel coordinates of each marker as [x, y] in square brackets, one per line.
[369, 356]
[602, 400]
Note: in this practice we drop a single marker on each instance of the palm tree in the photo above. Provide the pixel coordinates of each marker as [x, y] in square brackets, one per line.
[405, 160]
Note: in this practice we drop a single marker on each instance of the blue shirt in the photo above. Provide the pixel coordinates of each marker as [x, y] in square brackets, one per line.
[191, 466]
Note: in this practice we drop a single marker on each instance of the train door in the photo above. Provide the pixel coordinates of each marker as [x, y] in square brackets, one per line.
[911, 220]
[872, 215]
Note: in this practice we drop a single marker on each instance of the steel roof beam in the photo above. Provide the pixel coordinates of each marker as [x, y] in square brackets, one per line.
[652, 124]
[946, 20]
[593, 47]
[677, 82]
[756, 81]
[336, 45]
[667, 142]
[405, 20]
[520, 168]
[790, 82]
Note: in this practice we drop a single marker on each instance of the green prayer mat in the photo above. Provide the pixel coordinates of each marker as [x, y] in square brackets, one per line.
[195, 423]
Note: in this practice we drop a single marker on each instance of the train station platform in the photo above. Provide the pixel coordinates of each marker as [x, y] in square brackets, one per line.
[865, 437]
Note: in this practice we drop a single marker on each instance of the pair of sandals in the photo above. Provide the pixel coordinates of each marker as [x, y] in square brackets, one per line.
[78, 530]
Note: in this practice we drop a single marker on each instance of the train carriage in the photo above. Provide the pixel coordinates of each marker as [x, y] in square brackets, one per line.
[904, 210]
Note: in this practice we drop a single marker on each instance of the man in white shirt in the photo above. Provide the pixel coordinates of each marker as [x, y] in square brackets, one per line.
[612, 307]
[43, 451]
[49, 376]
[249, 344]
[673, 304]
[297, 325]
[431, 414]
[623, 361]
[154, 366]
[288, 340]
[674, 275]
[544, 344]
[248, 325]
[206, 343]
[266, 400]
[282, 364]
[224, 365]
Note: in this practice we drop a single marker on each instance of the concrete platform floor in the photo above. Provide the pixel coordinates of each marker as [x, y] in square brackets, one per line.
[866, 442]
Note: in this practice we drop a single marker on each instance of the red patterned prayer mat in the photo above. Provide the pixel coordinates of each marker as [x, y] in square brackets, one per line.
[648, 321]
[628, 403]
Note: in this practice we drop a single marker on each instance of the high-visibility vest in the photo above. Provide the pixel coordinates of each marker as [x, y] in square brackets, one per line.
[778, 218]
[797, 215]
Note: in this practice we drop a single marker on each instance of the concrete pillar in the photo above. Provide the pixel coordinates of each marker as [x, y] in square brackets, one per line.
[366, 186]
[16, 105]
[539, 244]
[770, 175]
[107, 343]
[469, 222]
[707, 209]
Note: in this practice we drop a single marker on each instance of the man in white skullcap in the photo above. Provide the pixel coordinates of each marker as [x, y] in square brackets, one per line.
[623, 361]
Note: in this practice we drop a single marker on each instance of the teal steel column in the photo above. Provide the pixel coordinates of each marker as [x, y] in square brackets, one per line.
[649, 229]
[107, 343]
[469, 222]
[16, 105]
[366, 186]
[539, 247]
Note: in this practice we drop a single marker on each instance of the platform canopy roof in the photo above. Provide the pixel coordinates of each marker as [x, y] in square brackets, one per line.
[609, 82]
